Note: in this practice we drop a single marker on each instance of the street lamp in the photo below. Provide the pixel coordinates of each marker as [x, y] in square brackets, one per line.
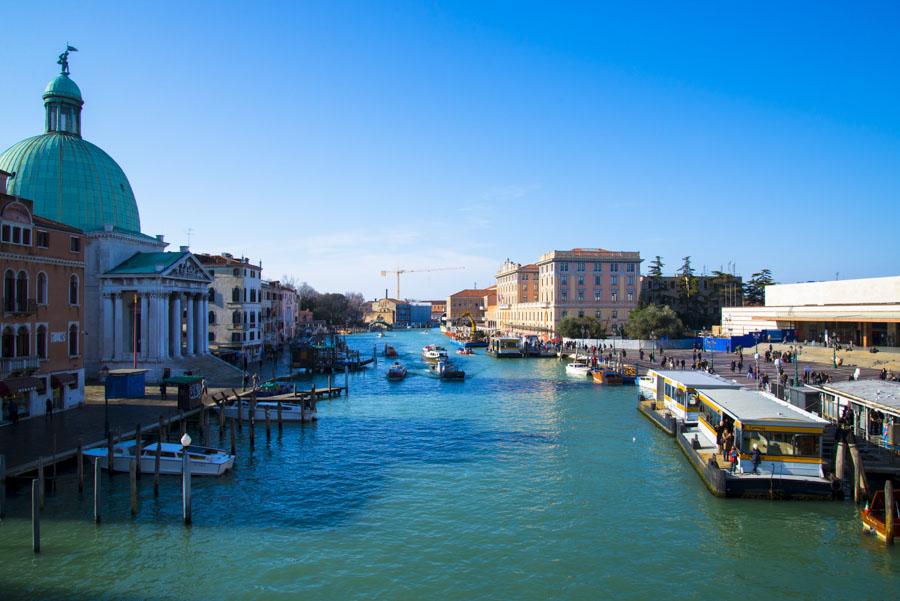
[186, 478]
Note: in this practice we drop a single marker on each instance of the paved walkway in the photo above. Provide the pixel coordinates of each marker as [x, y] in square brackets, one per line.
[60, 436]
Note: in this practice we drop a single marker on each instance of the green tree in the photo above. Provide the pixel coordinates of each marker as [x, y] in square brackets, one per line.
[755, 288]
[655, 269]
[687, 282]
[581, 327]
[653, 322]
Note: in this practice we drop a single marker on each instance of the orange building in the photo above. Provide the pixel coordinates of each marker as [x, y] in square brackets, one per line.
[41, 355]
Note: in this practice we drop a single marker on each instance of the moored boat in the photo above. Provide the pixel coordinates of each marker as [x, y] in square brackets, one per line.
[606, 375]
[579, 368]
[445, 371]
[205, 461]
[396, 372]
[873, 517]
[434, 352]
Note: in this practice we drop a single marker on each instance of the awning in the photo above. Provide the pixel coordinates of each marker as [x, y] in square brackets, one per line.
[64, 379]
[14, 386]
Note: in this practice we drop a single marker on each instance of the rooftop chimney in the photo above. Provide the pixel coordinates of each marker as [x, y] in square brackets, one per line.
[184, 249]
[160, 237]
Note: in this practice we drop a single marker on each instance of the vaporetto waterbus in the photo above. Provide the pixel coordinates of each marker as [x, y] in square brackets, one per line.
[789, 441]
[676, 389]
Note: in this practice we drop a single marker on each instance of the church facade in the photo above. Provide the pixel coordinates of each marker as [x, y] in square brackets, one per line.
[144, 306]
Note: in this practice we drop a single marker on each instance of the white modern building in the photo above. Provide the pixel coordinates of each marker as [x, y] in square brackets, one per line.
[234, 311]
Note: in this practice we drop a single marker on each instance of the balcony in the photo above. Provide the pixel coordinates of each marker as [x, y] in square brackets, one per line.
[20, 306]
[21, 365]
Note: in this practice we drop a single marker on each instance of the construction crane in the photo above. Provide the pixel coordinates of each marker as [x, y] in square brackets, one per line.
[398, 271]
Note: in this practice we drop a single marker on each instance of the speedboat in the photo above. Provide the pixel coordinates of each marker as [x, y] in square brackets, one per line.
[380, 334]
[445, 371]
[464, 351]
[433, 352]
[874, 517]
[290, 412]
[396, 372]
[579, 368]
[205, 461]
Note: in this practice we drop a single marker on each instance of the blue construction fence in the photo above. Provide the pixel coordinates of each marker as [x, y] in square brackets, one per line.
[728, 344]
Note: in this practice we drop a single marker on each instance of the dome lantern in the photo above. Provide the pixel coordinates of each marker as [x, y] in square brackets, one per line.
[62, 101]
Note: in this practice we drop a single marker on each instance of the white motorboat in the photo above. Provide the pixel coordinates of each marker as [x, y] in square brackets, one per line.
[205, 461]
[433, 352]
[380, 334]
[290, 412]
[579, 368]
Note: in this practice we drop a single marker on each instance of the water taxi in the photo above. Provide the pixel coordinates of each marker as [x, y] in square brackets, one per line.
[290, 412]
[503, 347]
[873, 517]
[465, 351]
[676, 389]
[446, 371]
[396, 372]
[606, 375]
[204, 461]
[580, 368]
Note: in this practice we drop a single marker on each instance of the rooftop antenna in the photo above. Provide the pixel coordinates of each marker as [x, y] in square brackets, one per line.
[189, 231]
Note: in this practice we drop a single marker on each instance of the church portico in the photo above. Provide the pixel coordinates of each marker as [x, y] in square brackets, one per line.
[153, 307]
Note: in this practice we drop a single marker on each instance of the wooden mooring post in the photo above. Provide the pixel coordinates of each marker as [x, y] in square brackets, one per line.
[204, 424]
[79, 467]
[138, 445]
[860, 482]
[97, 490]
[132, 481]
[231, 430]
[40, 480]
[156, 461]
[35, 516]
[109, 455]
[268, 427]
[278, 409]
[889, 525]
[183, 422]
[347, 379]
[221, 405]
[186, 487]
[2, 486]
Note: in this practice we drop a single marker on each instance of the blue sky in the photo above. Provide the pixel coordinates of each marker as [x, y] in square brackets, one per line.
[332, 140]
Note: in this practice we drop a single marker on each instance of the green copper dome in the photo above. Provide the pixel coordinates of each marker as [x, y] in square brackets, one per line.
[72, 181]
[68, 178]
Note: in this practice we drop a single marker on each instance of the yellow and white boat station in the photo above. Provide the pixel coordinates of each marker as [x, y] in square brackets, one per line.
[677, 389]
[788, 438]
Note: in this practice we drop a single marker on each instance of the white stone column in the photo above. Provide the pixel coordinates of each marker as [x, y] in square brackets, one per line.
[118, 327]
[162, 325]
[108, 350]
[175, 326]
[189, 309]
[205, 325]
[145, 326]
[198, 325]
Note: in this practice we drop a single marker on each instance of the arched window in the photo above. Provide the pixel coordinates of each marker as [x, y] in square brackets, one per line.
[41, 342]
[21, 291]
[9, 290]
[212, 337]
[9, 343]
[235, 295]
[236, 318]
[73, 340]
[212, 317]
[212, 295]
[41, 291]
[23, 338]
[73, 290]
[236, 272]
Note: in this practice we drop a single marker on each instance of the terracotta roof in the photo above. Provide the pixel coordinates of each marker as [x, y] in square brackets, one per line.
[223, 260]
[471, 292]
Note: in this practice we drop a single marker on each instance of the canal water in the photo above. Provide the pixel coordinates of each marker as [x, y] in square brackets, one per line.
[519, 483]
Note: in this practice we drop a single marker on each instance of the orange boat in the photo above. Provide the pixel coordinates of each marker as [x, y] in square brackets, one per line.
[607, 376]
[873, 516]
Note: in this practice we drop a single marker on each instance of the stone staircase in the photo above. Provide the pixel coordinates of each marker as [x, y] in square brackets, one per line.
[218, 373]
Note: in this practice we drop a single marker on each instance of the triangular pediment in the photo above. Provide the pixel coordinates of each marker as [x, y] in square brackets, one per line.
[187, 268]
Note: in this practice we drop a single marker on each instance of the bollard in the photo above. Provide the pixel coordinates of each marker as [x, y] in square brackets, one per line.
[97, 490]
[240, 413]
[268, 427]
[221, 404]
[2, 486]
[35, 516]
[132, 480]
[156, 462]
[347, 380]
[232, 437]
[186, 486]
[138, 445]
[79, 458]
[889, 524]
[40, 480]
[329, 384]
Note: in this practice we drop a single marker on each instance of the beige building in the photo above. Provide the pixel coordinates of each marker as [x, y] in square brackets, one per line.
[471, 301]
[532, 299]
[864, 311]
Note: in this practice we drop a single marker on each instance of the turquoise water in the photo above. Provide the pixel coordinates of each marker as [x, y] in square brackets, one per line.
[519, 483]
